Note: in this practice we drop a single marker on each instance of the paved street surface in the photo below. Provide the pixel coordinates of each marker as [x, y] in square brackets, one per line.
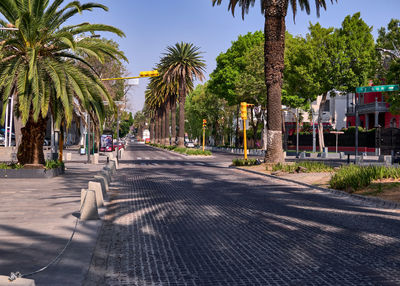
[176, 220]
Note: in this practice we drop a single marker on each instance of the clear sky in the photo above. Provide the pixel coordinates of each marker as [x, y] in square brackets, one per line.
[151, 25]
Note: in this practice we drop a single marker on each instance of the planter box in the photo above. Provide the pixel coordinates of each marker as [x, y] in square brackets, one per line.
[30, 173]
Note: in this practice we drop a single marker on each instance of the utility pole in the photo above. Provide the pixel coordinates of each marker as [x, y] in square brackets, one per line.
[88, 138]
[204, 133]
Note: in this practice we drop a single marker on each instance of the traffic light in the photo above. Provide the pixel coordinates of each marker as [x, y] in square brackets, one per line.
[204, 123]
[149, 73]
[243, 110]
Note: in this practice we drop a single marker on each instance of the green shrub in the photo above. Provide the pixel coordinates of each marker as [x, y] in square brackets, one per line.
[310, 167]
[243, 162]
[198, 152]
[52, 164]
[10, 166]
[358, 177]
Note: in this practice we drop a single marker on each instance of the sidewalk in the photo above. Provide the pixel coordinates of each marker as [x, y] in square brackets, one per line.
[36, 221]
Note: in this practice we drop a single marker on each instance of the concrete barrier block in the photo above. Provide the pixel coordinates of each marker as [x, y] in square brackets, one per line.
[116, 165]
[69, 156]
[95, 158]
[17, 282]
[121, 153]
[107, 174]
[96, 186]
[89, 209]
[103, 181]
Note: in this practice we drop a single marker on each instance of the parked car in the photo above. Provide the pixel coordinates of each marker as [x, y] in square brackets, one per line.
[2, 139]
[121, 146]
[190, 144]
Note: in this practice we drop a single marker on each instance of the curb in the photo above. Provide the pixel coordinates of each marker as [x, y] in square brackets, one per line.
[377, 202]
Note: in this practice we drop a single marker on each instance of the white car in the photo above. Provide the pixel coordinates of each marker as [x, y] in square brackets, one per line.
[190, 144]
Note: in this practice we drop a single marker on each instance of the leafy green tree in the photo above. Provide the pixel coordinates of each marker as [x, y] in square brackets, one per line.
[38, 64]
[182, 64]
[203, 104]
[388, 43]
[224, 79]
[359, 50]
[274, 31]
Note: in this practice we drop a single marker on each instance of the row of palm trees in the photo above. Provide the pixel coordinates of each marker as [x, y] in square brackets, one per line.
[179, 67]
[43, 66]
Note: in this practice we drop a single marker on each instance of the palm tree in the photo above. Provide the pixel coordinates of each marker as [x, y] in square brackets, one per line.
[38, 63]
[180, 66]
[274, 29]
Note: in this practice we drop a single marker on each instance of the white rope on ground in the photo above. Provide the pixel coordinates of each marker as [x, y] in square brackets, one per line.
[14, 275]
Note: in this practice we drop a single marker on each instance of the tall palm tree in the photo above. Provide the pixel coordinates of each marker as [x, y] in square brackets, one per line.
[38, 63]
[274, 29]
[181, 65]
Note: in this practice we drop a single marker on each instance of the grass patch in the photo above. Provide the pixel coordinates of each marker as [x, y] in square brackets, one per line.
[305, 167]
[243, 162]
[198, 152]
[353, 177]
[183, 150]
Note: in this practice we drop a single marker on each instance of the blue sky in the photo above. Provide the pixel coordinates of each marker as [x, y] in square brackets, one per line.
[151, 25]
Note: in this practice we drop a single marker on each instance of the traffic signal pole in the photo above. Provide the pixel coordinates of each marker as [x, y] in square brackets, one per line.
[204, 133]
[244, 139]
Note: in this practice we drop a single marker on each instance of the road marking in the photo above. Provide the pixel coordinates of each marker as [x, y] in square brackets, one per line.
[147, 158]
[139, 158]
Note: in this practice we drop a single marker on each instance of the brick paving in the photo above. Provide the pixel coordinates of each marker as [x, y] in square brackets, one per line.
[176, 220]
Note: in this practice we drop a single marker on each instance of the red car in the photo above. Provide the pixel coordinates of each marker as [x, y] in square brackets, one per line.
[121, 146]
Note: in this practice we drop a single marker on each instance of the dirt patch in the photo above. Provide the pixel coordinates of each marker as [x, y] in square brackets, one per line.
[316, 179]
[385, 189]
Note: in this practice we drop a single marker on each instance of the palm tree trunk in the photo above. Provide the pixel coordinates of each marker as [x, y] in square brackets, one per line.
[61, 143]
[30, 151]
[152, 130]
[274, 64]
[173, 120]
[181, 134]
[163, 126]
[320, 125]
[155, 127]
[166, 125]
[159, 127]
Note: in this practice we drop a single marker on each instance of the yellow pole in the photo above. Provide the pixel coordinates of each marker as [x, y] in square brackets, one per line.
[244, 139]
[204, 137]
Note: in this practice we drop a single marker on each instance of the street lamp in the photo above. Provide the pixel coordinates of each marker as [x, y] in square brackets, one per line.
[9, 115]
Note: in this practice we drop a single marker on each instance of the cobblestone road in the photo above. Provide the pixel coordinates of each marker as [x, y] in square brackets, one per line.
[183, 221]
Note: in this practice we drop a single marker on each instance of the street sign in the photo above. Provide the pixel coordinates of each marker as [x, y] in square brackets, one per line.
[378, 88]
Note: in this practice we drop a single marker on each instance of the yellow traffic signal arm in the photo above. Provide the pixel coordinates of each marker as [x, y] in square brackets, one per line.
[141, 75]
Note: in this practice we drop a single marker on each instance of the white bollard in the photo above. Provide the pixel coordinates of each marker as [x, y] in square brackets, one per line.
[96, 186]
[69, 157]
[88, 205]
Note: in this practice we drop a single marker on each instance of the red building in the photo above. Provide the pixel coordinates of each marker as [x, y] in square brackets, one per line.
[372, 110]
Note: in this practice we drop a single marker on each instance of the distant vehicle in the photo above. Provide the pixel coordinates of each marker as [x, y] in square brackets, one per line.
[190, 144]
[121, 146]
